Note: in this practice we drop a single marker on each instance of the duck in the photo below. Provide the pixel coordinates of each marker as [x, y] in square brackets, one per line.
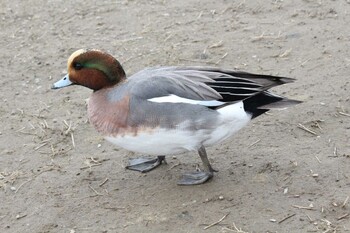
[162, 111]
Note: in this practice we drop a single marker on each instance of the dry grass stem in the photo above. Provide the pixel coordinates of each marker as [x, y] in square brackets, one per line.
[263, 37]
[310, 207]
[318, 159]
[317, 124]
[168, 37]
[335, 152]
[310, 219]
[95, 163]
[328, 223]
[303, 64]
[90, 166]
[20, 216]
[105, 181]
[19, 130]
[217, 222]
[343, 216]
[254, 143]
[175, 165]
[235, 229]
[97, 193]
[22, 185]
[300, 126]
[344, 114]
[284, 219]
[38, 147]
[69, 126]
[345, 202]
[221, 58]
[216, 45]
[286, 53]
[72, 137]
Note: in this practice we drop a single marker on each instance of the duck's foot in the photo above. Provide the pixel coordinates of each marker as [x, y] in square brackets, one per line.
[197, 177]
[145, 164]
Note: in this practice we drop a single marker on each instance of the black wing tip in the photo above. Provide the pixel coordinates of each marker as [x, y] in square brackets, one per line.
[283, 103]
[286, 80]
[263, 102]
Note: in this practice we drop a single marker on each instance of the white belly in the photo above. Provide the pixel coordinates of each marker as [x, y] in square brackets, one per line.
[174, 141]
[160, 142]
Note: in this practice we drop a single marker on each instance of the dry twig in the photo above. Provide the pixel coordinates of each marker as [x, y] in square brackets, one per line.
[217, 222]
[22, 185]
[310, 207]
[346, 201]
[97, 193]
[344, 114]
[105, 181]
[284, 219]
[254, 143]
[343, 216]
[235, 229]
[306, 129]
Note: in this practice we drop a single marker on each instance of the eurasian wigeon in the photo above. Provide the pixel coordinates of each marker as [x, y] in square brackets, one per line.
[170, 110]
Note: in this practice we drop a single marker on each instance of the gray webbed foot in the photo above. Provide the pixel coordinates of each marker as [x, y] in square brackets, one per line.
[145, 164]
[197, 177]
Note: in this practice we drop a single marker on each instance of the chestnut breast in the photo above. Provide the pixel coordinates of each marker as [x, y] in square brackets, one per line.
[109, 117]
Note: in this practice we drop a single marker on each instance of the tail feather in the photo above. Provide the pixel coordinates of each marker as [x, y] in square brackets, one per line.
[264, 101]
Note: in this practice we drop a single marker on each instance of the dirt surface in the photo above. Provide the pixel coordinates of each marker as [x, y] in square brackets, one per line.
[58, 175]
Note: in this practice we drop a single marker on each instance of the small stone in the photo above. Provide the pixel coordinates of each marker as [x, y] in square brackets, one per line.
[13, 188]
[273, 220]
[99, 145]
[221, 198]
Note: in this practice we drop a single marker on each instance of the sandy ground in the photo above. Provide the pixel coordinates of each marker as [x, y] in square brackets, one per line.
[274, 176]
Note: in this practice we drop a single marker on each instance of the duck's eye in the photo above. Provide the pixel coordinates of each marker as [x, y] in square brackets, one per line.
[77, 66]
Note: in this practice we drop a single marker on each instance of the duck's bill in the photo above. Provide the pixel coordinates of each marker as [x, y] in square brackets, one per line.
[64, 82]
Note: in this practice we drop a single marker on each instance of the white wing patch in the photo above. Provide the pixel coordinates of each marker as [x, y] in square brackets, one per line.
[177, 99]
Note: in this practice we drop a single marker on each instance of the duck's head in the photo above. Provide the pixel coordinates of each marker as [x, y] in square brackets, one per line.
[93, 69]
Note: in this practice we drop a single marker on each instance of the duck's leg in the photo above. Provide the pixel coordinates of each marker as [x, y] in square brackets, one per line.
[199, 177]
[145, 164]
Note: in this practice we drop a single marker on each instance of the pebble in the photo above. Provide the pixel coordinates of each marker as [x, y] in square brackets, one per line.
[13, 188]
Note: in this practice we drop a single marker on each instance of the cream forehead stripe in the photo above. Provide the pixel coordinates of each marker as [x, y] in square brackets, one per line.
[74, 55]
